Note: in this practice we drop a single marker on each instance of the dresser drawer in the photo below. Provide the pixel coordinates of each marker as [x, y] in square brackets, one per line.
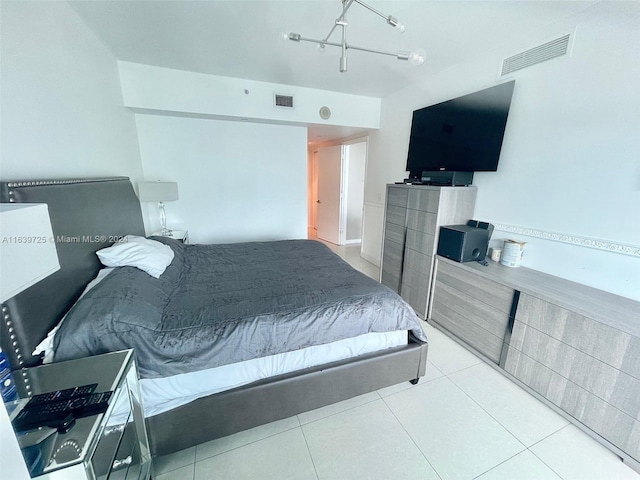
[490, 319]
[479, 325]
[392, 265]
[393, 255]
[416, 277]
[424, 199]
[611, 423]
[422, 221]
[396, 215]
[391, 279]
[397, 196]
[603, 342]
[395, 233]
[472, 285]
[416, 298]
[420, 242]
[604, 381]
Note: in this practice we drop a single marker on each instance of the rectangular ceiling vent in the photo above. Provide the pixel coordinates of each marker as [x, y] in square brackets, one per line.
[284, 101]
[541, 53]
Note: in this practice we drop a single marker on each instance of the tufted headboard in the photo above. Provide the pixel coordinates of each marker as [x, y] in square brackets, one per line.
[86, 215]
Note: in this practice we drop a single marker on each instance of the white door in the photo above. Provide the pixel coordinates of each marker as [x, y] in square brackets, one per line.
[329, 193]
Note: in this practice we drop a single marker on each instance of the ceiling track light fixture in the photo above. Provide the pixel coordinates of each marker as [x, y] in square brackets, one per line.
[415, 58]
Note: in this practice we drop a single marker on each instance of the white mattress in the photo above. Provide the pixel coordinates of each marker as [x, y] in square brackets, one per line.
[162, 394]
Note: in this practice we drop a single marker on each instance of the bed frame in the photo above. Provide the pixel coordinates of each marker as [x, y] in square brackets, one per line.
[85, 210]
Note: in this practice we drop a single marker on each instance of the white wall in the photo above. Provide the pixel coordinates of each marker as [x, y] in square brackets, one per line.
[256, 164]
[570, 162]
[61, 116]
[61, 105]
[237, 181]
[176, 91]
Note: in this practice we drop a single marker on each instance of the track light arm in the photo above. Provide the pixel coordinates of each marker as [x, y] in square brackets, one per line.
[390, 19]
[416, 57]
[296, 37]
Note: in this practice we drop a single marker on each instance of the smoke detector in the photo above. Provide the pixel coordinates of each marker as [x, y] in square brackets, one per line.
[325, 113]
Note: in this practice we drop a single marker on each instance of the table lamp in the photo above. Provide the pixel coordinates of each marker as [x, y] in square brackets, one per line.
[159, 192]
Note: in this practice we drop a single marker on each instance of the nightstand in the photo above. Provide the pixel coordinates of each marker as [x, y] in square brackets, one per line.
[112, 445]
[181, 235]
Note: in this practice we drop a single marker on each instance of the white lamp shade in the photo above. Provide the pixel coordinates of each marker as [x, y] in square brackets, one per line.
[158, 191]
[27, 247]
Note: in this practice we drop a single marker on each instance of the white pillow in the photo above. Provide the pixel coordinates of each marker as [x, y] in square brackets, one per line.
[132, 251]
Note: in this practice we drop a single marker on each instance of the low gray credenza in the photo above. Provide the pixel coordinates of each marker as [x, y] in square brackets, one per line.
[576, 347]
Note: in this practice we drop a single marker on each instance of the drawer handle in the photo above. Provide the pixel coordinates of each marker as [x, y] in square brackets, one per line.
[114, 429]
[121, 463]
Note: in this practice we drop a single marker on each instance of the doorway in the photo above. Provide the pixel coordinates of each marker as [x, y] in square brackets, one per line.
[336, 192]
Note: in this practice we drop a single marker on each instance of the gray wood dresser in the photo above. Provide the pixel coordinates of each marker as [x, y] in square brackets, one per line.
[576, 347]
[413, 216]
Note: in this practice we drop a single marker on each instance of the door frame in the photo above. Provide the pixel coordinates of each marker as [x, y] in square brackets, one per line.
[313, 184]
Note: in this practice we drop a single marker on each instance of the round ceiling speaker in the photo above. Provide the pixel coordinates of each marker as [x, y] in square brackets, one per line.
[325, 113]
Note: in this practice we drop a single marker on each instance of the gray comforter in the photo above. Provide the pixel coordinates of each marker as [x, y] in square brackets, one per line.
[220, 304]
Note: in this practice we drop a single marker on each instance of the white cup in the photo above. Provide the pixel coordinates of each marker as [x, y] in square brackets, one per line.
[496, 253]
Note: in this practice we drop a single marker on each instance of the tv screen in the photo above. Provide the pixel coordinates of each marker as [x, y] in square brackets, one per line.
[463, 135]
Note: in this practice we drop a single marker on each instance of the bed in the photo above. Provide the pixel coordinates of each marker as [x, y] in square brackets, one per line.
[88, 215]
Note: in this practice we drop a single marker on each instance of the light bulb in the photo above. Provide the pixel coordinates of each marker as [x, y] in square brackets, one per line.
[393, 21]
[417, 57]
[294, 37]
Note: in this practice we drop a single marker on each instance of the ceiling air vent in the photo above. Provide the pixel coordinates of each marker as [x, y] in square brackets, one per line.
[284, 101]
[541, 53]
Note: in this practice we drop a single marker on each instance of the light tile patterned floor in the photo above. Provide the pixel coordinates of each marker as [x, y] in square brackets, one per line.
[462, 421]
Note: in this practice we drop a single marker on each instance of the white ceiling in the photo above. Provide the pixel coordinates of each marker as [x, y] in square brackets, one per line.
[241, 38]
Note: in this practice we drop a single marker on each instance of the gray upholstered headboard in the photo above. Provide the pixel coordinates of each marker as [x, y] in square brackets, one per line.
[86, 215]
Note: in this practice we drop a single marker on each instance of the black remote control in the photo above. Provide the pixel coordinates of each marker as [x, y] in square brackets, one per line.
[59, 395]
[54, 414]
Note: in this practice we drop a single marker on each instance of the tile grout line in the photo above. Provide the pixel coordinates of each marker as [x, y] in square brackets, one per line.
[306, 442]
[569, 423]
[543, 462]
[542, 440]
[493, 418]
[527, 448]
[245, 444]
[497, 465]
[410, 437]
[342, 411]
[485, 411]
[181, 466]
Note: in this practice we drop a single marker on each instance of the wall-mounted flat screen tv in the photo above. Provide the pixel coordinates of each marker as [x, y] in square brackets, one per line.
[464, 134]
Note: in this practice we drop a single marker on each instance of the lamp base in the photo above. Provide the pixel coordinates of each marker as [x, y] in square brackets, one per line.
[164, 231]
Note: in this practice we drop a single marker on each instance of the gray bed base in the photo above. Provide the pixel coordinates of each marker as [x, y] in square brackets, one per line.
[283, 396]
[109, 207]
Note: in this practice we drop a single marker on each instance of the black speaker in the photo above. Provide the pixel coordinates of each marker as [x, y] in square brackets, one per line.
[463, 243]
